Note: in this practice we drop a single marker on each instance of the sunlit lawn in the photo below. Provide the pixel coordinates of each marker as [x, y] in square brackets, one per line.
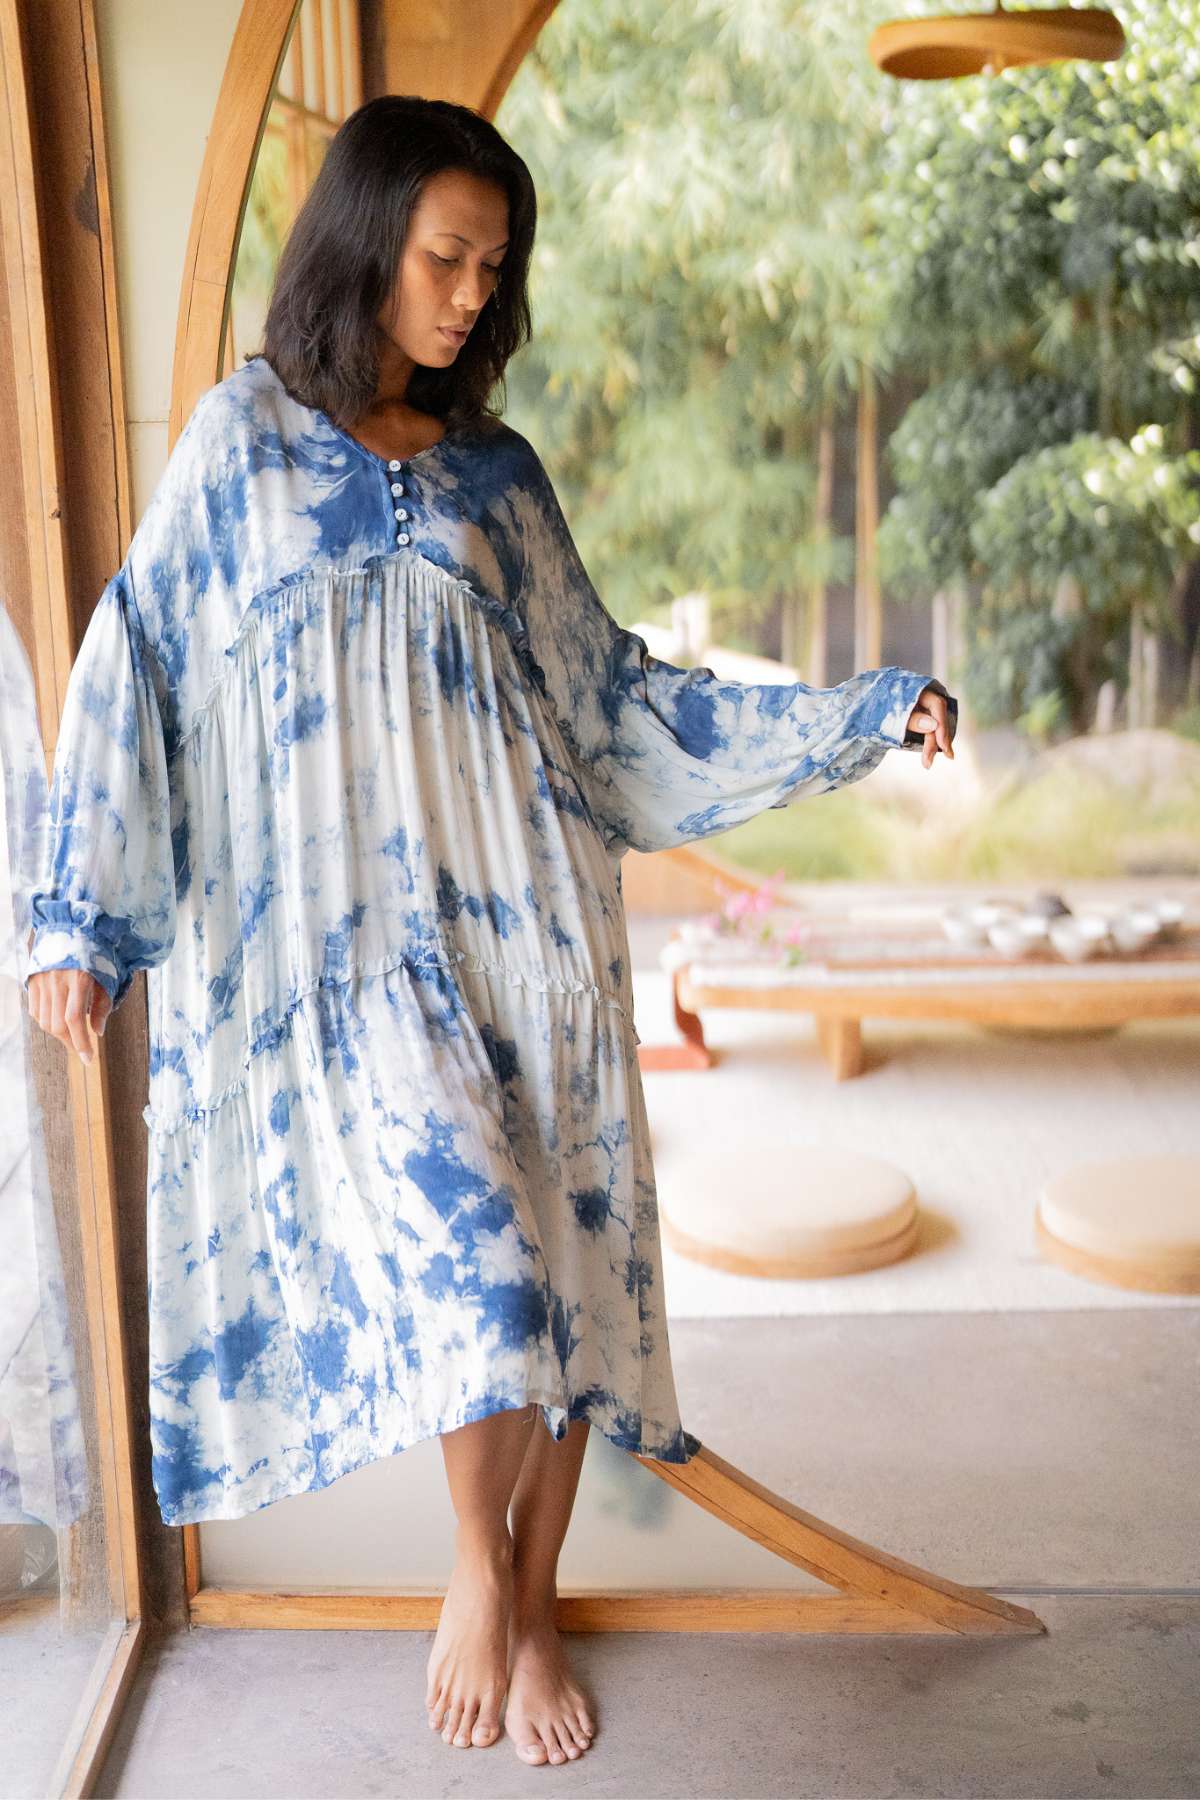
[1066, 824]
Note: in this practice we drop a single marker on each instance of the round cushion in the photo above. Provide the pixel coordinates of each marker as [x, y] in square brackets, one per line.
[801, 1210]
[1132, 1221]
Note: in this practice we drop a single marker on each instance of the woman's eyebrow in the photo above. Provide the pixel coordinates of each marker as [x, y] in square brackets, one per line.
[464, 240]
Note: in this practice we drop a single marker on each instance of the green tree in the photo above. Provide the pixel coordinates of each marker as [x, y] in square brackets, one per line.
[1039, 236]
[701, 168]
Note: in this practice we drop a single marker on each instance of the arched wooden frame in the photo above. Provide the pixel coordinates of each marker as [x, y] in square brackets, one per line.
[878, 1592]
[259, 45]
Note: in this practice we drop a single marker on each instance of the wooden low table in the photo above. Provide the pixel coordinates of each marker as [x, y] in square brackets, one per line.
[854, 972]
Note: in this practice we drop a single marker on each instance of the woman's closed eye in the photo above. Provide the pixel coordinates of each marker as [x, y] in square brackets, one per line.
[448, 262]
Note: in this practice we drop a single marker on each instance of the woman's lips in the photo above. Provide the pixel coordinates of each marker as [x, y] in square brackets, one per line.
[456, 337]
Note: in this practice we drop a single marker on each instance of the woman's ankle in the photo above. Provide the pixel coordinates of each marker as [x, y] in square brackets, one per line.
[535, 1597]
[484, 1547]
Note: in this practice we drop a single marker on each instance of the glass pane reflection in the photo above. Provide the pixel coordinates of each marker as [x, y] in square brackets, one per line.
[55, 1593]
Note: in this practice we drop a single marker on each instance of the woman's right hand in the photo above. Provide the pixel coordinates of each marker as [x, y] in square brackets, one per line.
[64, 1002]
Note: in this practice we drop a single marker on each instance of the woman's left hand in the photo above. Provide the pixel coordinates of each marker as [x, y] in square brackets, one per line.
[929, 716]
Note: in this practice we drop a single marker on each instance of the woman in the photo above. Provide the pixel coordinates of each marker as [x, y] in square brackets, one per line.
[350, 756]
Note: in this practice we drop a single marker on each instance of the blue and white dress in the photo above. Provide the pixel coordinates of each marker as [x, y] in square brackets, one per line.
[350, 755]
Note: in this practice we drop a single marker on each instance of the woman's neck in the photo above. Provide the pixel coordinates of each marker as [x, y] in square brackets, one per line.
[392, 428]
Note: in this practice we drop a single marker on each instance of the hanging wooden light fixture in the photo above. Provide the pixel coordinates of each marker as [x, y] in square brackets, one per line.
[984, 43]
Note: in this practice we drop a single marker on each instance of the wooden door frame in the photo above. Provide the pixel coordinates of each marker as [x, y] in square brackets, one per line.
[878, 1592]
[67, 535]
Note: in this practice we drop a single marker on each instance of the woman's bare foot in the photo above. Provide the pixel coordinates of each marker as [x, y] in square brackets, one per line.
[547, 1717]
[467, 1668]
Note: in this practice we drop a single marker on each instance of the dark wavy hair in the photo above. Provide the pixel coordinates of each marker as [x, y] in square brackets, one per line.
[341, 255]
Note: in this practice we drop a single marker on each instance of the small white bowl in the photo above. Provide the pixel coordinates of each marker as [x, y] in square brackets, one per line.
[989, 912]
[1134, 929]
[961, 929]
[1007, 936]
[1095, 927]
[1170, 915]
[1072, 942]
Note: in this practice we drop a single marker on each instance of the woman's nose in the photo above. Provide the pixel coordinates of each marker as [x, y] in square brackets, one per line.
[471, 293]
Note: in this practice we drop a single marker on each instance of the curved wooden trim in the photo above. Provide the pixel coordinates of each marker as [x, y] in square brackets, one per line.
[878, 1592]
[255, 56]
[237, 126]
[834, 1556]
[518, 48]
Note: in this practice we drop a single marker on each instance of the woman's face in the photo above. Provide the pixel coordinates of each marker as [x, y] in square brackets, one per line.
[452, 256]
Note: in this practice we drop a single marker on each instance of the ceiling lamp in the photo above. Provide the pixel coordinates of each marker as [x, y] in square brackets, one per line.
[985, 43]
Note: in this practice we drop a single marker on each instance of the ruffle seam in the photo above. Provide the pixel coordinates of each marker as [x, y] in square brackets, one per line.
[264, 605]
[165, 1125]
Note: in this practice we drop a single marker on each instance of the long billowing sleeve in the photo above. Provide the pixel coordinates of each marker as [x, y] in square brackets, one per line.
[105, 895]
[668, 755]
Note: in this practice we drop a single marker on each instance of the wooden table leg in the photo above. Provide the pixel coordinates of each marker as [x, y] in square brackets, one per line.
[693, 1053]
[840, 1041]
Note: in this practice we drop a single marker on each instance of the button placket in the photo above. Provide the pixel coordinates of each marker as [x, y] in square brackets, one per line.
[397, 487]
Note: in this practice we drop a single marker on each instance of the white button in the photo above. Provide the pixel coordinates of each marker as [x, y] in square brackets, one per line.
[402, 537]
[397, 487]
[395, 465]
[400, 513]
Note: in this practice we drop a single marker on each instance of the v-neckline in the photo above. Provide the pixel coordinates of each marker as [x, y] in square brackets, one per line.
[381, 462]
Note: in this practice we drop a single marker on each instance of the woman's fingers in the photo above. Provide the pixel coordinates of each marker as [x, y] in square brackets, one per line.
[63, 1003]
[933, 721]
[101, 1007]
[75, 1015]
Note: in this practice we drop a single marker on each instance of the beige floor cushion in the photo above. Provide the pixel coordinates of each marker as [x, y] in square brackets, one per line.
[1130, 1221]
[793, 1210]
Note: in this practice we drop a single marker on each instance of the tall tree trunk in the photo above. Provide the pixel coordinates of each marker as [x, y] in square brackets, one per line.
[792, 622]
[1076, 668]
[1133, 674]
[815, 664]
[1142, 709]
[868, 612]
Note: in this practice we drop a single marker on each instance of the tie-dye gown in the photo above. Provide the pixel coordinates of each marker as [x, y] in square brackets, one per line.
[350, 756]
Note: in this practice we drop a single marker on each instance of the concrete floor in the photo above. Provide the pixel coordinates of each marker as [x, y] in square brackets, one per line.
[1050, 1457]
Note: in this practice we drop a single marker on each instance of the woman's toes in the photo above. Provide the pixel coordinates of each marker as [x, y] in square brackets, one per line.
[453, 1714]
[534, 1752]
[466, 1726]
[485, 1731]
[561, 1738]
[557, 1753]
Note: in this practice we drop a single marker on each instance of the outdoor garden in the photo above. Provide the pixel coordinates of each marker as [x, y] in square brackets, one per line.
[891, 372]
